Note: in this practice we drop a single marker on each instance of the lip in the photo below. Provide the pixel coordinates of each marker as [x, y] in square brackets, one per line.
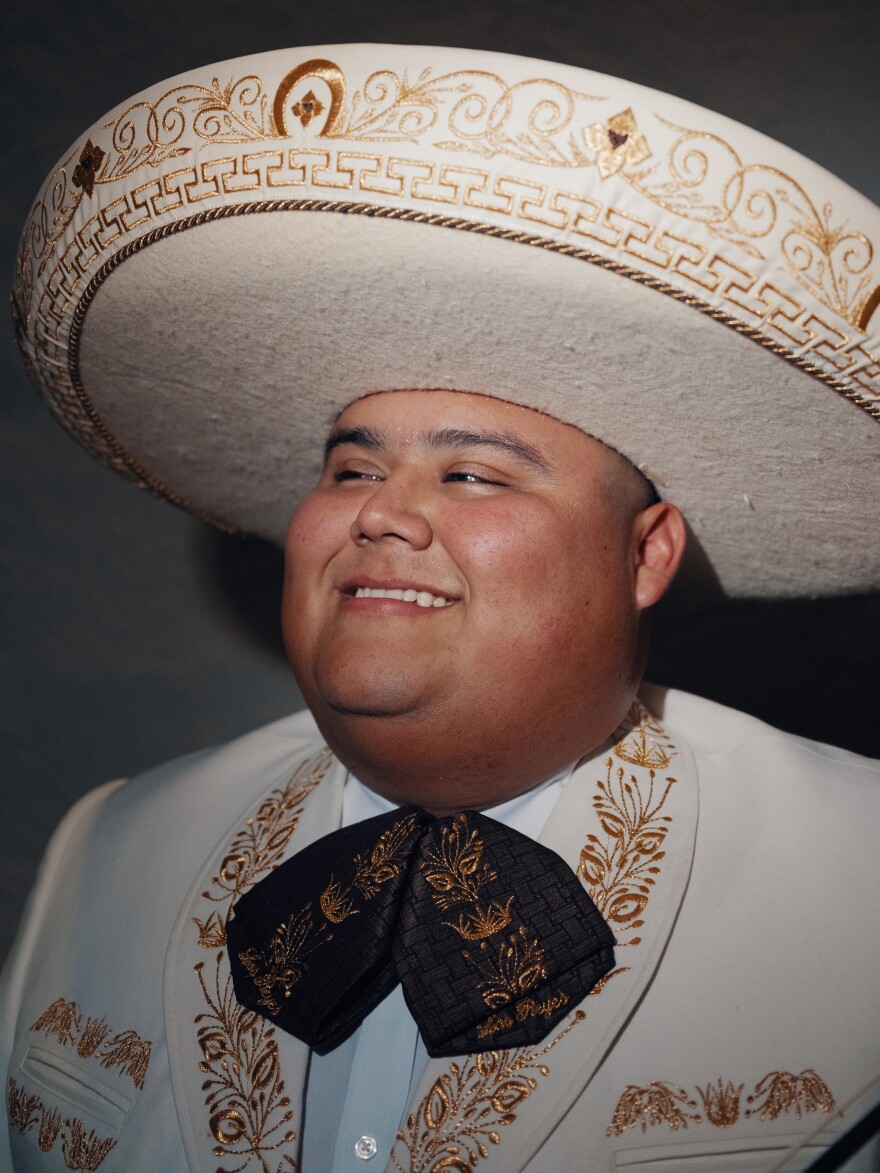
[349, 586]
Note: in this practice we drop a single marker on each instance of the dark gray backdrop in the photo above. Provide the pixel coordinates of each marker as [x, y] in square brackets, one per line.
[129, 634]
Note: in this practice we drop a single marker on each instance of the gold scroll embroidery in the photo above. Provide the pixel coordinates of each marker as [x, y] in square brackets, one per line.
[385, 862]
[81, 1150]
[783, 1091]
[621, 871]
[259, 846]
[700, 178]
[245, 1095]
[245, 1090]
[126, 1050]
[721, 1102]
[661, 1102]
[459, 1117]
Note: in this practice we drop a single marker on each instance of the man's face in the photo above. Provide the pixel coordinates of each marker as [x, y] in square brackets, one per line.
[463, 566]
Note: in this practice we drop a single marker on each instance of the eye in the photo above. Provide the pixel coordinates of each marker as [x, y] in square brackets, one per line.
[465, 477]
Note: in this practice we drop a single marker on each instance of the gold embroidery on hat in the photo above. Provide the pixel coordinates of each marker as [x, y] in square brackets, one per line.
[126, 1050]
[259, 846]
[81, 1150]
[249, 1110]
[459, 1118]
[331, 75]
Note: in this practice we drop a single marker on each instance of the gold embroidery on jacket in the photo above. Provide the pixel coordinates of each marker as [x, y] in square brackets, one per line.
[646, 743]
[621, 872]
[783, 1091]
[464, 1109]
[721, 1102]
[244, 1087]
[661, 1103]
[460, 1116]
[81, 1150]
[126, 1050]
[259, 846]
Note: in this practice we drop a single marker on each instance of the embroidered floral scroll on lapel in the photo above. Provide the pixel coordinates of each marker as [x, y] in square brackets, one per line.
[621, 869]
[249, 1112]
[462, 1113]
[778, 1093]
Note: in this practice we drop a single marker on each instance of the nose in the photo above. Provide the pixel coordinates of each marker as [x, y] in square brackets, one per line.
[393, 511]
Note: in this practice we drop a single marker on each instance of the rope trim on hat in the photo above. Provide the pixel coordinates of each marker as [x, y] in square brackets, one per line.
[147, 480]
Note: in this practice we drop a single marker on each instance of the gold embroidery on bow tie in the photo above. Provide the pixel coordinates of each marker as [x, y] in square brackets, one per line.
[126, 1050]
[244, 1087]
[511, 969]
[459, 1118]
[82, 1151]
[280, 967]
[385, 862]
[661, 1103]
[259, 846]
[456, 872]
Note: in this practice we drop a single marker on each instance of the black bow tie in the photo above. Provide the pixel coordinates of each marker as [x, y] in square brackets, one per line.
[491, 935]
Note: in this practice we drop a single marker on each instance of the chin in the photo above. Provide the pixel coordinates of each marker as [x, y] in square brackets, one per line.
[368, 698]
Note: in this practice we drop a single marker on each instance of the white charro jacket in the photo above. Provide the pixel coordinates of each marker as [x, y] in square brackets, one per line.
[736, 864]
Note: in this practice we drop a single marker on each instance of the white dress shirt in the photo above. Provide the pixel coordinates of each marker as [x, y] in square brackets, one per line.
[357, 1093]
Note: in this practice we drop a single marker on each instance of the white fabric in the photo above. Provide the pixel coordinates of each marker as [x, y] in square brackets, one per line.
[206, 356]
[756, 958]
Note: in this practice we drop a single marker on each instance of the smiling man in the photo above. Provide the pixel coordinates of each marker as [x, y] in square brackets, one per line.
[491, 902]
[464, 595]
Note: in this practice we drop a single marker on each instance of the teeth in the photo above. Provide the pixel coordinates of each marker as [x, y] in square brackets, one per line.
[420, 598]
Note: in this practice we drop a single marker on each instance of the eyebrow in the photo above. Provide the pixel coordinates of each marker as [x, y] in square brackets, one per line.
[438, 439]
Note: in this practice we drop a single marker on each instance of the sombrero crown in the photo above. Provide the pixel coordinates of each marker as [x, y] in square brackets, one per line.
[228, 259]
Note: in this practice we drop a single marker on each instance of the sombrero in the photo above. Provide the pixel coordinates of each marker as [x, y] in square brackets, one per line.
[226, 260]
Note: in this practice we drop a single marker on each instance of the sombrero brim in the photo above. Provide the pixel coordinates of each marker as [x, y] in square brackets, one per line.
[202, 316]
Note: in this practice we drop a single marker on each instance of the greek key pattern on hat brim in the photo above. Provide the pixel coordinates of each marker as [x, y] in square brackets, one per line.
[108, 200]
[71, 404]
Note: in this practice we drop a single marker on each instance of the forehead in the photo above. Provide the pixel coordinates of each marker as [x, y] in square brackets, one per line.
[407, 417]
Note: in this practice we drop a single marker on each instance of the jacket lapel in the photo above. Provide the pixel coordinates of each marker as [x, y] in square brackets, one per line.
[626, 823]
[238, 1082]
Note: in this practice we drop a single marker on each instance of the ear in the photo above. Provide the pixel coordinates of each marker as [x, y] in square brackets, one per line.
[659, 541]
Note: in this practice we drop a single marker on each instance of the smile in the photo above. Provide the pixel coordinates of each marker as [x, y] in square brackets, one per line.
[420, 598]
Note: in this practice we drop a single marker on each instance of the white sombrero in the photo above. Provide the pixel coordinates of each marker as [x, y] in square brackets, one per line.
[228, 259]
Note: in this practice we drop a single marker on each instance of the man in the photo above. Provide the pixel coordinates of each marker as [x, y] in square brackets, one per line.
[466, 605]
